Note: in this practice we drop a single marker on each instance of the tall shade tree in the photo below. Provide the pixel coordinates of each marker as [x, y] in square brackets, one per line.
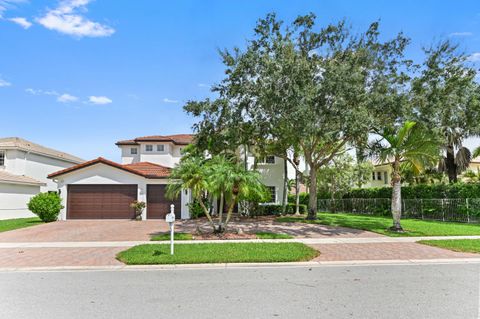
[218, 176]
[408, 145]
[316, 89]
[447, 101]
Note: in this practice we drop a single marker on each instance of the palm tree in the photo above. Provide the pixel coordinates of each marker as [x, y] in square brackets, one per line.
[221, 177]
[190, 174]
[406, 144]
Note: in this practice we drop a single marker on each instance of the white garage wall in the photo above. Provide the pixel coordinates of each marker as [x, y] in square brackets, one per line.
[14, 199]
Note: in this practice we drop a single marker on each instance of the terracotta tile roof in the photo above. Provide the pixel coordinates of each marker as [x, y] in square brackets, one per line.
[144, 169]
[150, 170]
[24, 145]
[178, 139]
[7, 178]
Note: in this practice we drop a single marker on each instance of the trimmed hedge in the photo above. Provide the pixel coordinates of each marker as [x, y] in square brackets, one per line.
[46, 206]
[424, 191]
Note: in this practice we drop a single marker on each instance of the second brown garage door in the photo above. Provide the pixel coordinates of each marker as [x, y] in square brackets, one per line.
[158, 205]
[101, 201]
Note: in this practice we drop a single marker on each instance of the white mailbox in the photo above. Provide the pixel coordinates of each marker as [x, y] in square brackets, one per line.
[170, 219]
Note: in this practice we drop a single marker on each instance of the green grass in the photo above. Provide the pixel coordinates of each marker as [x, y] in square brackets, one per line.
[151, 254]
[377, 224]
[177, 236]
[11, 224]
[267, 235]
[461, 245]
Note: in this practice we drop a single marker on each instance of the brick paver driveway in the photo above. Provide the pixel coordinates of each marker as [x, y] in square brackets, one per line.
[127, 230]
[87, 230]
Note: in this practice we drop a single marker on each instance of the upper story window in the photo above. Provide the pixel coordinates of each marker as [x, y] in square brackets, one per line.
[373, 176]
[379, 176]
[160, 148]
[2, 158]
[270, 159]
[149, 148]
[133, 151]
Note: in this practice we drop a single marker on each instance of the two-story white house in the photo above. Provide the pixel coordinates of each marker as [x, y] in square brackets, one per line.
[102, 189]
[24, 167]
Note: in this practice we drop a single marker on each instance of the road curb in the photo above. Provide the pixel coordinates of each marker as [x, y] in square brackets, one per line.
[225, 266]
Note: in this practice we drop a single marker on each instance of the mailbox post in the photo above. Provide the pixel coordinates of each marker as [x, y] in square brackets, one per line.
[170, 219]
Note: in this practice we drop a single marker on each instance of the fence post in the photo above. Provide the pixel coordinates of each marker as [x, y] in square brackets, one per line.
[421, 207]
[443, 209]
[468, 213]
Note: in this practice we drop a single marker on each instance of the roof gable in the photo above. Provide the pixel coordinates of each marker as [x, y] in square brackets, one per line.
[144, 169]
[177, 139]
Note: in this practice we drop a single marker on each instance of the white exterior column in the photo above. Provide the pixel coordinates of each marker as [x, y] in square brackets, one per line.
[186, 198]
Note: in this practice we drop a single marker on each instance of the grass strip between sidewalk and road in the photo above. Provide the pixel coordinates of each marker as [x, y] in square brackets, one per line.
[151, 254]
[380, 225]
[11, 224]
[460, 245]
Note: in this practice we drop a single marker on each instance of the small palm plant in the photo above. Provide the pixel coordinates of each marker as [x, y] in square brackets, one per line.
[404, 145]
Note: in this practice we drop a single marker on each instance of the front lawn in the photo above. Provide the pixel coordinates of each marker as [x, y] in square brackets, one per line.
[151, 254]
[461, 245]
[378, 224]
[11, 224]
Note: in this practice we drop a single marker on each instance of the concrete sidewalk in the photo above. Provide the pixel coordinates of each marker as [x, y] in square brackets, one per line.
[308, 241]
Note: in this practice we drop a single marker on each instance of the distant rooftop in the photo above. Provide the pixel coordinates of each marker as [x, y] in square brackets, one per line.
[178, 139]
[24, 145]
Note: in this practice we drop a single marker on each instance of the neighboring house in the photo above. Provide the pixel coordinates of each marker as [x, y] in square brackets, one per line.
[102, 189]
[382, 173]
[24, 167]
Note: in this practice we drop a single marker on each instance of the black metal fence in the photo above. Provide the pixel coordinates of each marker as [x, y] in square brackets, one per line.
[448, 209]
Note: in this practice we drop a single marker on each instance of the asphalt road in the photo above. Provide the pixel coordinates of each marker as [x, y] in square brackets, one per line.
[383, 291]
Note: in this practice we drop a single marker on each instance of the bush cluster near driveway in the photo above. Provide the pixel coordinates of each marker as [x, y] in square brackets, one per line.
[151, 254]
[461, 245]
[380, 225]
[11, 224]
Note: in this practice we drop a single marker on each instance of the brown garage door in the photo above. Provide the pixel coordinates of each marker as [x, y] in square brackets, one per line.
[157, 205]
[101, 201]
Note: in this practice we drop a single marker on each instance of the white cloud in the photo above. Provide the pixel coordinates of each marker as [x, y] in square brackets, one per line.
[66, 98]
[475, 57]
[99, 100]
[8, 4]
[67, 18]
[202, 85]
[41, 92]
[461, 34]
[24, 23]
[167, 100]
[4, 83]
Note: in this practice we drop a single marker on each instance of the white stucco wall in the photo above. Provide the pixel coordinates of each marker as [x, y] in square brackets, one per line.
[169, 157]
[14, 199]
[105, 174]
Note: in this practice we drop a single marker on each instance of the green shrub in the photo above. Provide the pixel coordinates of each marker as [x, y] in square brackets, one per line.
[196, 211]
[46, 206]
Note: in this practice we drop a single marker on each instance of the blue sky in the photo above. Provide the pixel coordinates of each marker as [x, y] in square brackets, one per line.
[78, 75]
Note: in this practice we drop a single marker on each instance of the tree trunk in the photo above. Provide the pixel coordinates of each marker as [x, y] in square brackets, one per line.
[207, 213]
[230, 210]
[220, 213]
[285, 187]
[450, 164]
[312, 201]
[297, 193]
[396, 197]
